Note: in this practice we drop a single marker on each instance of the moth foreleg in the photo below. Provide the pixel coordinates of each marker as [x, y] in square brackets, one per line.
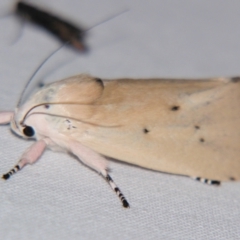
[5, 117]
[30, 156]
[207, 181]
[98, 163]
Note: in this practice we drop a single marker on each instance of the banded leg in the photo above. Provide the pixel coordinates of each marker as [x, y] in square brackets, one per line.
[30, 156]
[11, 172]
[97, 162]
[207, 181]
[117, 191]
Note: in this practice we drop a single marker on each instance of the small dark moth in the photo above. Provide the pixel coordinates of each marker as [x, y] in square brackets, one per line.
[60, 28]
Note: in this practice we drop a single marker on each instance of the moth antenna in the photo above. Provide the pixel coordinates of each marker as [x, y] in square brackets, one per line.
[37, 70]
[20, 32]
[7, 14]
[61, 116]
[106, 20]
[55, 51]
[97, 24]
[41, 83]
[11, 13]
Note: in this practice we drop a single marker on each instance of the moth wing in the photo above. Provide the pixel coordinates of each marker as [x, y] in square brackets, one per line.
[187, 127]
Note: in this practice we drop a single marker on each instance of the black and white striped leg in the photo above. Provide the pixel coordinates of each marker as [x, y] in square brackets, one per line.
[117, 191]
[30, 156]
[11, 172]
[207, 181]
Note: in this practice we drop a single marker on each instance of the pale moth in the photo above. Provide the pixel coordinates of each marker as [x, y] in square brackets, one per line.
[186, 127]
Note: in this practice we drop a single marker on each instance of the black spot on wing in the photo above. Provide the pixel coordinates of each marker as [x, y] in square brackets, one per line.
[99, 81]
[175, 108]
[145, 130]
[197, 127]
[41, 85]
[232, 179]
[202, 140]
[235, 79]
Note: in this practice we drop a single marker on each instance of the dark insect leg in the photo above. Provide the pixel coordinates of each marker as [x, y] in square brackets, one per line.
[97, 162]
[207, 181]
[11, 172]
[117, 191]
[30, 156]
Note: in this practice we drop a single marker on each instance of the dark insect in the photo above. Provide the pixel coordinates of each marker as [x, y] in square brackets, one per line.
[60, 28]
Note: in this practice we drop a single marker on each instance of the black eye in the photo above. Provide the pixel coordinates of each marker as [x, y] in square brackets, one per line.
[28, 131]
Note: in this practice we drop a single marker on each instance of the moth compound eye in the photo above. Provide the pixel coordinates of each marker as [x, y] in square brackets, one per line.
[28, 131]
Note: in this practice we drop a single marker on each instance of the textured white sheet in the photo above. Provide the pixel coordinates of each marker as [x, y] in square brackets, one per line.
[59, 198]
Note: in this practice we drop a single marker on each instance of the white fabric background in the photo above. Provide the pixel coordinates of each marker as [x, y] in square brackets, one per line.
[59, 198]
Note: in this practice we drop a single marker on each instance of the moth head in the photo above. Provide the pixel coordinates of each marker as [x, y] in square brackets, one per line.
[21, 128]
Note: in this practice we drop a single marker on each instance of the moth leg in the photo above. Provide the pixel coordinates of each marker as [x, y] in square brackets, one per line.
[98, 163]
[117, 190]
[30, 156]
[207, 181]
[5, 117]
